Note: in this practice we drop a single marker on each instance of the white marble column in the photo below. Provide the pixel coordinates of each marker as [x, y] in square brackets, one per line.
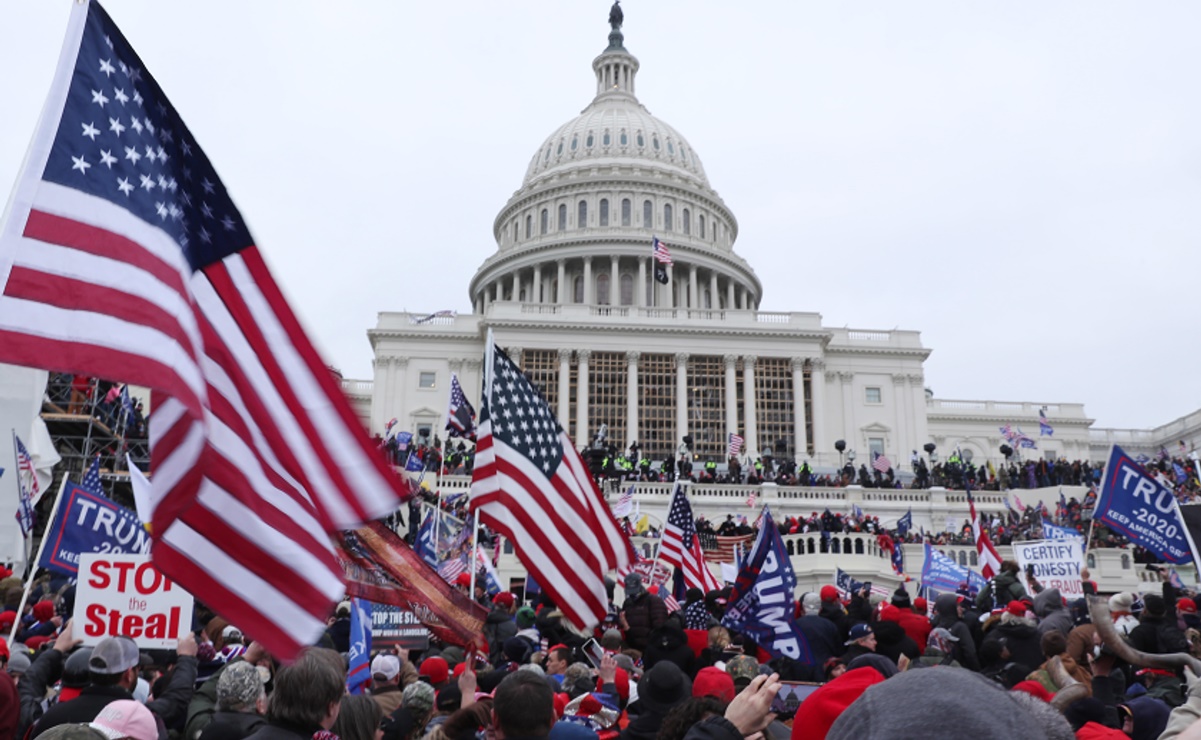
[581, 397]
[379, 383]
[731, 395]
[614, 281]
[692, 288]
[640, 286]
[589, 288]
[714, 300]
[817, 386]
[681, 397]
[536, 292]
[730, 294]
[901, 439]
[632, 358]
[669, 289]
[561, 292]
[564, 410]
[514, 286]
[849, 433]
[800, 438]
[397, 384]
[748, 414]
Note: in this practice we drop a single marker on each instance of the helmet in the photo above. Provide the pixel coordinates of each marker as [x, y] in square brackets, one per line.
[75, 670]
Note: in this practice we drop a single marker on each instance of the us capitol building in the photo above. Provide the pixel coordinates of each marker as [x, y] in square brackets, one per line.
[571, 294]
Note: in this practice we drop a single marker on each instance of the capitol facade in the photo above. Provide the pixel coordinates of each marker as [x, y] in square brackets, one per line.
[571, 294]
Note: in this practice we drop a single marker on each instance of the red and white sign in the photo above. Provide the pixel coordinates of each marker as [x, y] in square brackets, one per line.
[127, 595]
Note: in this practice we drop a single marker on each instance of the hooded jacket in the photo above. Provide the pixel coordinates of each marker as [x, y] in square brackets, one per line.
[644, 613]
[917, 626]
[1004, 588]
[892, 642]
[1021, 636]
[1052, 614]
[498, 627]
[669, 643]
[946, 615]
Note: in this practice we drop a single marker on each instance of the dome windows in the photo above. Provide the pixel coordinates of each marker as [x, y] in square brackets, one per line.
[655, 142]
[562, 217]
[624, 139]
[529, 226]
[671, 148]
[575, 142]
[687, 222]
[625, 212]
[582, 215]
[546, 158]
[667, 217]
[702, 224]
[604, 212]
[560, 151]
[545, 222]
[641, 141]
[648, 215]
[605, 138]
[588, 141]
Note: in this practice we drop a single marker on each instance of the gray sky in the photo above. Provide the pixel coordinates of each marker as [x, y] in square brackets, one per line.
[1021, 182]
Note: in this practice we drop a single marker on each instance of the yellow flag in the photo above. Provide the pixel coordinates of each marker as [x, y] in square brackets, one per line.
[643, 524]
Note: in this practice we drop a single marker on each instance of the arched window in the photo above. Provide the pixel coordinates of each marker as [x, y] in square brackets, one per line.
[708, 298]
[625, 212]
[687, 221]
[545, 221]
[702, 219]
[588, 141]
[516, 231]
[648, 214]
[605, 138]
[624, 139]
[641, 141]
[575, 142]
[582, 215]
[667, 219]
[973, 558]
[602, 289]
[529, 226]
[577, 290]
[562, 217]
[604, 212]
[627, 289]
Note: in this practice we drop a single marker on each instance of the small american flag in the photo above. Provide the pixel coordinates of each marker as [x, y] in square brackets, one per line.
[91, 478]
[882, 463]
[451, 569]
[735, 445]
[26, 516]
[125, 258]
[681, 547]
[752, 499]
[460, 418]
[660, 251]
[670, 602]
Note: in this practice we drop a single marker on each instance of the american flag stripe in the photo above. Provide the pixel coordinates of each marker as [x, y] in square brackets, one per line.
[690, 559]
[256, 453]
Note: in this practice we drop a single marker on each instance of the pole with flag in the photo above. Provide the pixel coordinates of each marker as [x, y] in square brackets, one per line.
[359, 670]
[25, 514]
[33, 566]
[680, 546]
[990, 559]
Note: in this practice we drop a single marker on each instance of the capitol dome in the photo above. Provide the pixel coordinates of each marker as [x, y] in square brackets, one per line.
[599, 190]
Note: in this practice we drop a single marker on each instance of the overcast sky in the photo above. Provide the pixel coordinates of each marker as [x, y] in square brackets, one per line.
[1021, 182]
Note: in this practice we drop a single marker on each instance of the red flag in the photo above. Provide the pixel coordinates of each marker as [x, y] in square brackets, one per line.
[125, 258]
[990, 559]
[531, 485]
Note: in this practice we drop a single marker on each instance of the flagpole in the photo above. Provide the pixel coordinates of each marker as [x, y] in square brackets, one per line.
[489, 370]
[33, 569]
[21, 494]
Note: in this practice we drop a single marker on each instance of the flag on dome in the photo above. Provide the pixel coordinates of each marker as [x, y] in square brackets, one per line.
[126, 258]
[662, 257]
[530, 484]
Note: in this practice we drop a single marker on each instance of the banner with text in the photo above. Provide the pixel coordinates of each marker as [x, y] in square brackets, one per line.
[127, 595]
[87, 523]
[1142, 509]
[941, 573]
[1055, 563]
[392, 626]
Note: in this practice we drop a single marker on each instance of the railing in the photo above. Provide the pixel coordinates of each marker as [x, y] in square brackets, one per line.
[358, 387]
[540, 308]
[868, 336]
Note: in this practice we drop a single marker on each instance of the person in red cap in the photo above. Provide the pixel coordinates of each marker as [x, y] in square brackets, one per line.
[500, 625]
[832, 610]
[713, 681]
[44, 622]
[1018, 633]
[435, 671]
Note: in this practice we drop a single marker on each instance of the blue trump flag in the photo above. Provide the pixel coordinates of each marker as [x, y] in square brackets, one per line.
[86, 522]
[1052, 532]
[944, 575]
[905, 523]
[898, 559]
[1142, 509]
[359, 672]
[761, 602]
[425, 541]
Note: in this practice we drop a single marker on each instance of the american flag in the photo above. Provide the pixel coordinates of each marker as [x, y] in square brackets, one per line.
[130, 261]
[531, 485]
[1044, 427]
[625, 503]
[990, 559]
[26, 515]
[660, 251]
[735, 445]
[451, 569]
[91, 478]
[682, 548]
[722, 548]
[670, 601]
[881, 463]
[460, 418]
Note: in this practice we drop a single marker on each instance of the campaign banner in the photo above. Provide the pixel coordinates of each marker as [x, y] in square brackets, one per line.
[1142, 509]
[941, 573]
[392, 626]
[761, 602]
[1055, 563]
[126, 595]
[1052, 532]
[88, 523]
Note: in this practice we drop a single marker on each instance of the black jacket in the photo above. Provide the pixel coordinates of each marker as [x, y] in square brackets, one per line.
[498, 627]
[1022, 639]
[644, 613]
[669, 643]
[232, 726]
[270, 731]
[892, 642]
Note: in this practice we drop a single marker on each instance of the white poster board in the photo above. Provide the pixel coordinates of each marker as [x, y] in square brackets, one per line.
[127, 595]
[1056, 564]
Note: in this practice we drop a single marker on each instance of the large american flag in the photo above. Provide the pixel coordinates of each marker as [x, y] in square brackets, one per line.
[735, 445]
[881, 462]
[124, 257]
[531, 485]
[990, 559]
[460, 417]
[681, 547]
[660, 251]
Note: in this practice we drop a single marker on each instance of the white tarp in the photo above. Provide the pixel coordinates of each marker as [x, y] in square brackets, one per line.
[21, 393]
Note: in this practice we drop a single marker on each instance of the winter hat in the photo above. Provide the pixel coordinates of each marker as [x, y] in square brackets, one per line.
[1083, 711]
[18, 664]
[35, 642]
[900, 598]
[633, 585]
[505, 599]
[818, 712]
[435, 669]
[126, 718]
[418, 698]
[1121, 602]
[239, 687]
[43, 611]
[890, 613]
[621, 679]
[463, 579]
[941, 640]
[7, 619]
[1154, 605]
[448, 699]
[880, 663]
[713, 682]
[525, 618]
[515, 649]
[743, 669]
[1016, 608]
[4, 649]
[975, 706]
[453, 655]
[921, 604]
[1035, 689]
[663, 687]
[829, 593]
[811, 603]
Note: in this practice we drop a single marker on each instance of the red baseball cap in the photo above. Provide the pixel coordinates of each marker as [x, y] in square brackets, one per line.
[829, 593]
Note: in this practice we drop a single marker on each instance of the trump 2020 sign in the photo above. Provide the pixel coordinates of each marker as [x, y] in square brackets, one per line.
[1142, 509]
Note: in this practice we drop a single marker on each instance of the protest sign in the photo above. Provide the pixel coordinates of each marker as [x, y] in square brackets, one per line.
[1055, 563]
[87, 523]
[392, 626]
[941, 573]
[127, 595]
[1138, 506]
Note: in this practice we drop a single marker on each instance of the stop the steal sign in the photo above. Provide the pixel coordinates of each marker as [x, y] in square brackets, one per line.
[127, 595]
